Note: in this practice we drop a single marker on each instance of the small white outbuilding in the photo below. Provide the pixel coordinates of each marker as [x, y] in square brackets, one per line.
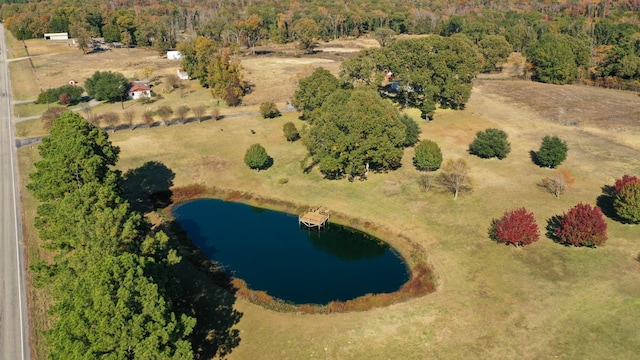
[174, 55]
[56, 36]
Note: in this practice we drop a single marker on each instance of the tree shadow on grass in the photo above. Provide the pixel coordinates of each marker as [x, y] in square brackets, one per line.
[553, 224]
[207, 294]
[605, 203]
[534, 158]
[147, 188]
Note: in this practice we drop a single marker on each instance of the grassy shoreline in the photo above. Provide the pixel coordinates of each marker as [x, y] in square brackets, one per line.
[421, 281]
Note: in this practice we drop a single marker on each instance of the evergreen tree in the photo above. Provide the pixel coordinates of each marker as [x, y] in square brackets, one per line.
[74, 154]
[116, 310]
[412, 130]
[490, 143]
[553, 151]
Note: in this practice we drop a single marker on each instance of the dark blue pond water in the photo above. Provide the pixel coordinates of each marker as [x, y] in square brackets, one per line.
[269, 251]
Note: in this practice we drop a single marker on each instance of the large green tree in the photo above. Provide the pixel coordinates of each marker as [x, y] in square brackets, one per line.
[305, 31]
[214, 67]
[557, 58]
[495, 49]
[313, 90]
[354, 131]
[74, 154]
[107, 85]
[426, 71]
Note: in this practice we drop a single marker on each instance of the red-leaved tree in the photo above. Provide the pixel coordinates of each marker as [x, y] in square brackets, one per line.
[620, 183]
[517, 227]
[583, 225]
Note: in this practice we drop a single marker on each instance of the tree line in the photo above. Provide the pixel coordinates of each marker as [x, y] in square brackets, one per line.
[593, 40]
[112, 276]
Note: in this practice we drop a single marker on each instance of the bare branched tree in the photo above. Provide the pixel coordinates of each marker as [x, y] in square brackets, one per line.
[165, 112]
[181, 113]
[111, 118]
[558, 183]
[215, 113]
[198, 112]
[454, 177]
[87, 110]
[128, 116]
[50, 115]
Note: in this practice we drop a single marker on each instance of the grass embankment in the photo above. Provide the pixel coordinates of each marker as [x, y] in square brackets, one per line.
[420, 283]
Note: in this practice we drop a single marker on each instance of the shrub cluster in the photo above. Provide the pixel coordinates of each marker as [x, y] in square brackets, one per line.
[269, 110]
[64, 95]
[290, 131]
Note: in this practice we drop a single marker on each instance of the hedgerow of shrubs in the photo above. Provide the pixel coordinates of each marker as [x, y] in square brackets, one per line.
[56, 95]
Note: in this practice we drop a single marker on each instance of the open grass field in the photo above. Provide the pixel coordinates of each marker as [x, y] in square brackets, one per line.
[542, 301]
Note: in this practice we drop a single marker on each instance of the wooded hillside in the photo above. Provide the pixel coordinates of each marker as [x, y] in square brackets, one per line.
[607, 31]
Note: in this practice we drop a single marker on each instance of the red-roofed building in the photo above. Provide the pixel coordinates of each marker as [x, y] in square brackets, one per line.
[139, 90]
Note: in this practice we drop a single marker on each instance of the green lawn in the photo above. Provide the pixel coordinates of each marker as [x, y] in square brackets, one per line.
[493, 301]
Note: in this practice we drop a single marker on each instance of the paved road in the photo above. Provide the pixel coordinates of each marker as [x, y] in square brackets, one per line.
[14, 333]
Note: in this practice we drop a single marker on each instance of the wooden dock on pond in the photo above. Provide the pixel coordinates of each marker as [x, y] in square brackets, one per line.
[315, 217]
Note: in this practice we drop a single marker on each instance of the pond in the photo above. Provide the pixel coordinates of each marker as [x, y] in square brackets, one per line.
[273, 253]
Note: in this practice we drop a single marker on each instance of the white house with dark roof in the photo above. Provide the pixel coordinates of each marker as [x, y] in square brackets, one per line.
[139, 90]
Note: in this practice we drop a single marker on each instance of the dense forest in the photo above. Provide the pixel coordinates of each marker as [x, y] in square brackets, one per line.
[597, 41]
